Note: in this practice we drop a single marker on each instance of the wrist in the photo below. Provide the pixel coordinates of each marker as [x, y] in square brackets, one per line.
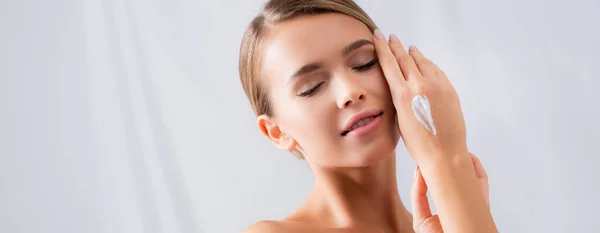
[439, 159]
[456, 193]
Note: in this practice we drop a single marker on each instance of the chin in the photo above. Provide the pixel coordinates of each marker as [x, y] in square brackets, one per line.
[360, 156]
[373, 152]
[364, 154]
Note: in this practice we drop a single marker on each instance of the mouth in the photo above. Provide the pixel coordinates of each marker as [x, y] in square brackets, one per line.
[361, 121]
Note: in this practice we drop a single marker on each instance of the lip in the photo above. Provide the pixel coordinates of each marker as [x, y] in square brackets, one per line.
[357, 117]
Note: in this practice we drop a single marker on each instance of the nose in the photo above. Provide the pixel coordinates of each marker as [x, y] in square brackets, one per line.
[351, 92]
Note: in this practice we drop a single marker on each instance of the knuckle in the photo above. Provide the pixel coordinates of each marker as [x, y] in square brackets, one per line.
[387, 61]
[400, 55]
[404, 58]
[419, 87]
[414, 74]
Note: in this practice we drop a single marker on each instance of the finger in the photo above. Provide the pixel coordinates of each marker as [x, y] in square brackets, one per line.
[407, 64]
[479, 170]
[482, 177]
[424, 65]
[389, 65]
[419, 200]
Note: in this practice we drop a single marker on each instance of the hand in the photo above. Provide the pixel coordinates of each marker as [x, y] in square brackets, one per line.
[423, 220]
[410, 74]
[441, 154]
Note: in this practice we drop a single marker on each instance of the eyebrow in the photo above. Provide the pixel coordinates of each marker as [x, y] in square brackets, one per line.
[318, 65]
[356, 45]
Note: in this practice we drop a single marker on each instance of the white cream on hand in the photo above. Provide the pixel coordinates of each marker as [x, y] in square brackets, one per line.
[422, 111]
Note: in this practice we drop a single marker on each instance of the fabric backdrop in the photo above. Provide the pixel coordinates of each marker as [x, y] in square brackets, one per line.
[127, 115]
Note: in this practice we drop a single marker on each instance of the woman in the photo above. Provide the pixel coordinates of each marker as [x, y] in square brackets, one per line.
[330, 88]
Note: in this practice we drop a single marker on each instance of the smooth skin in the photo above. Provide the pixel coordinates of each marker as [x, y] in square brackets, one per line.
[355, 188]
[443, 159]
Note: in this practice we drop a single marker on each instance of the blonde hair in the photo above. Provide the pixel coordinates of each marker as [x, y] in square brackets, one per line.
[274, 12]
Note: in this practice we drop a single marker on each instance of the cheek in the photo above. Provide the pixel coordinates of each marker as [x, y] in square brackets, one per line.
[316, 123]
[308, 119]
[377, 84]
[314, 129]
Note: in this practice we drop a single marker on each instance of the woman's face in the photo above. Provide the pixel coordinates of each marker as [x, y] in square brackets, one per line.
[320, 71]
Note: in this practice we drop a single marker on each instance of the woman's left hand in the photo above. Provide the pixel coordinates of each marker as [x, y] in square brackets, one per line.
[420, 90]
[423, 220]
[432, 126]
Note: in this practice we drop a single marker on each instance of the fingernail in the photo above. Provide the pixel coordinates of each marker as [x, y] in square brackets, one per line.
[413, 48]
[379, 35]
[394, 38]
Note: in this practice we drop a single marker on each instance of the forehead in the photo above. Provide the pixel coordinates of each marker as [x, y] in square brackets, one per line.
[307, 39]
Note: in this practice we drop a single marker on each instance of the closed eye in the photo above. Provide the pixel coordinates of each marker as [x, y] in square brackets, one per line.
[365, 66]
[310, 91]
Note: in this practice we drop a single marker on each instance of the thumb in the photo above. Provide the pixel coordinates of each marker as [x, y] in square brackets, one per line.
[482, 177]
[419, 200]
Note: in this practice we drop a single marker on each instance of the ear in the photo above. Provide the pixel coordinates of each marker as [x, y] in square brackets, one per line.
[272, 130]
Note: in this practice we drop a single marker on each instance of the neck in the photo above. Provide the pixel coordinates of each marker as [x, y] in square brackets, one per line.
[365, 196]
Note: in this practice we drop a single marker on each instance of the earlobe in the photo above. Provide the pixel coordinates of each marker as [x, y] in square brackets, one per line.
[272, 131]
[290, 143]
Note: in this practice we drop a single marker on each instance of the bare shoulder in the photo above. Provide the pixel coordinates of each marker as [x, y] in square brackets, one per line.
[269, 226]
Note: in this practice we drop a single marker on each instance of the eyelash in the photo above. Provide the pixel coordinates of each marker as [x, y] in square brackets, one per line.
[366, 66]
[307, 93]
[358, 68]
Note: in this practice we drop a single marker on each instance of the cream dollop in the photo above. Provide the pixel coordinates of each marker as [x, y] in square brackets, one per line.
[422, 110]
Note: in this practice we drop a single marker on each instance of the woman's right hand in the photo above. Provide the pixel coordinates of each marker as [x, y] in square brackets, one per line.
[423, 220]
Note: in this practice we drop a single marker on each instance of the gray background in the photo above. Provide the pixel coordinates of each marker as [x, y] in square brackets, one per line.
[128, 116]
